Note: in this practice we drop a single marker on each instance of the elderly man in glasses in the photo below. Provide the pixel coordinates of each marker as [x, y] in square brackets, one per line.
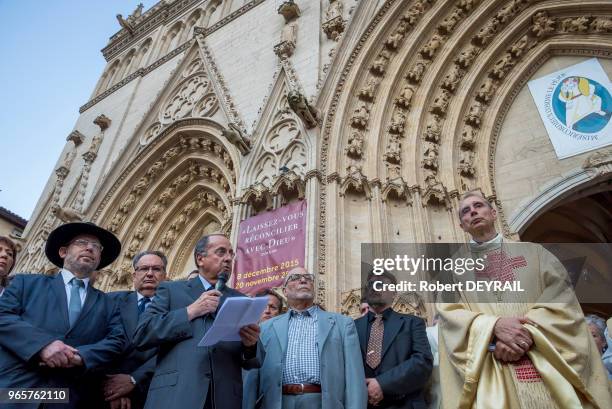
[128, 383]
[313, 358]
[58, 331]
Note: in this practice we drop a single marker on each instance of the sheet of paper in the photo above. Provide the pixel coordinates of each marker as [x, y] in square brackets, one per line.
[235, 313]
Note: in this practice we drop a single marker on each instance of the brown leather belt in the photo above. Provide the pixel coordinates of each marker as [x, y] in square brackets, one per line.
[301, 388]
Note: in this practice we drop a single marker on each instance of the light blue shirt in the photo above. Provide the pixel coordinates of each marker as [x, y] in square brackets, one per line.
[205, 283]
[607, 356]
[67, 276]
[302, 357]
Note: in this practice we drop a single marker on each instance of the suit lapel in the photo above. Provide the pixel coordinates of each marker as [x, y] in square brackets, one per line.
[58, 291]
[129, 313]
[90, 300]
[195, 288]
[325, 322]
[281, 328]
[392, 327]
[362, 332]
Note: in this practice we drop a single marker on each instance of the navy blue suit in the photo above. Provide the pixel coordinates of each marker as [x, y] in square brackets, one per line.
[139, 364]
[34, 313]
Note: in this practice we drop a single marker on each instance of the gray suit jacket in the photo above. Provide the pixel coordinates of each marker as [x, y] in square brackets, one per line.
[184, 370]
[342, 376]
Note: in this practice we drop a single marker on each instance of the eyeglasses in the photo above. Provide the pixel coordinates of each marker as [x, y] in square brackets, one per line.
[297, 277]
[146, 269]
[82, 243]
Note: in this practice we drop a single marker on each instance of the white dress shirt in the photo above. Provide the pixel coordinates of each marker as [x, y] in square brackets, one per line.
[67, 276]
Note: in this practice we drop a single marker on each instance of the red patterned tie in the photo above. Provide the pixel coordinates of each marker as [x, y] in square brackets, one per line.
[375, 342]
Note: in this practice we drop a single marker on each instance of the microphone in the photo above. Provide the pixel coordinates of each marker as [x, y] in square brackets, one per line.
[221, 280]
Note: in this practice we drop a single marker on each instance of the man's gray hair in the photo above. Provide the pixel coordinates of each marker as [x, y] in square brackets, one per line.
[472, 193]
[159, 254]
[599, 323]
[202, 245]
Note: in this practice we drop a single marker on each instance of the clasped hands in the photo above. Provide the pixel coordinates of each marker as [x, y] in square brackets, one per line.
[208, 302]
[59, 355]
[513, 340]
[375, 393]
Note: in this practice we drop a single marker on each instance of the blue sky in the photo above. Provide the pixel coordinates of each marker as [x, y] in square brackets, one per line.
[50, 61]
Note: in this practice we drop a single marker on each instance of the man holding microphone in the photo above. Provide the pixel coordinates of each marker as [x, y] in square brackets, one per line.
[187, 375]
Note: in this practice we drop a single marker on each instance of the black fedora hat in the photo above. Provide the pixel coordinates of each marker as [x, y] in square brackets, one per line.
[62, 235]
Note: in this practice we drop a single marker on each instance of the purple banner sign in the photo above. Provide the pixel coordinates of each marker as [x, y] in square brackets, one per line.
[269, 245]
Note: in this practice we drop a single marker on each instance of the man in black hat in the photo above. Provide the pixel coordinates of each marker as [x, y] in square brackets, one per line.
[57, 331]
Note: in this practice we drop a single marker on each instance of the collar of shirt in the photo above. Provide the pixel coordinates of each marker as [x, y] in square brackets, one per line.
[496, 240]
[312, 311]
[140, 297]
[386, 313]
[205, 283]
[67, 276]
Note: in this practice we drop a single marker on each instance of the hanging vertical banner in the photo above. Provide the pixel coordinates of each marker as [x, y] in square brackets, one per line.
[269, 245]
[575, 105]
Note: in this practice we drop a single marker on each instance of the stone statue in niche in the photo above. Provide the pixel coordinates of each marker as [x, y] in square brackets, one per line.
[141, 185]
[117, 221]
[467, 56]
[542, 24]
[405, 97]
[486, 91]
[450, 22]
[433, 131]
[475, 114]
[430, 156]
[69, 158]
[361, 115]
[440, 103]
[355, 144]
[154, 170]
[452, 79]
[468, 137]
[502, 66]
[397, 122]
[289, 33]
[393, 171]
[517, 49]
[367, 92]
[393, 151]
[486, 33]
[335, 9]
[416, 72]
[143, 230]
[508, 11]
[397, 36]
[466, 163]
[380, 64]
[429, 50]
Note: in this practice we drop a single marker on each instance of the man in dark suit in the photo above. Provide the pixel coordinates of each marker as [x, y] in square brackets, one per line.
[57, 331]
[188, 376]
[396, 354]
[131, 374]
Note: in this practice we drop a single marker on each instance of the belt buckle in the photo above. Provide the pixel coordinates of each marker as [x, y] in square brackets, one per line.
[302, 388]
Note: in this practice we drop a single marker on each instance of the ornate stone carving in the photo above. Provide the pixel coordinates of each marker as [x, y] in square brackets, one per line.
[235, 136]
[258, 196]
[598, 159]
[449, 23]
[355, 181]
[601, 25]
[66, 214]
[416, 72]
[433, 130]
[452, 79]
[466, 163]
[298, 103]
[430, 156]
[405, 97]
[440, 103]
[69, 158]
[467, 5]
[393, 171]
[182, 102]
[289, 181]
[288, 41]
[361, 115]
[368, 91]
[502, 66]
[151, 133]
[355, 144]
[435, 193]
[351, 301]
[289, 10]
[394, 40]
[475, 114]
[429, 50]
[393, 151]
[102, 121]
[486, 33]
[542, 25]
[520, 47]
[334, 27]
[397, 122]
[486, 91]
[468, 137]
[508, 11]
[575, 25]
[379, 65]
[76, 137]
[467, 56]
